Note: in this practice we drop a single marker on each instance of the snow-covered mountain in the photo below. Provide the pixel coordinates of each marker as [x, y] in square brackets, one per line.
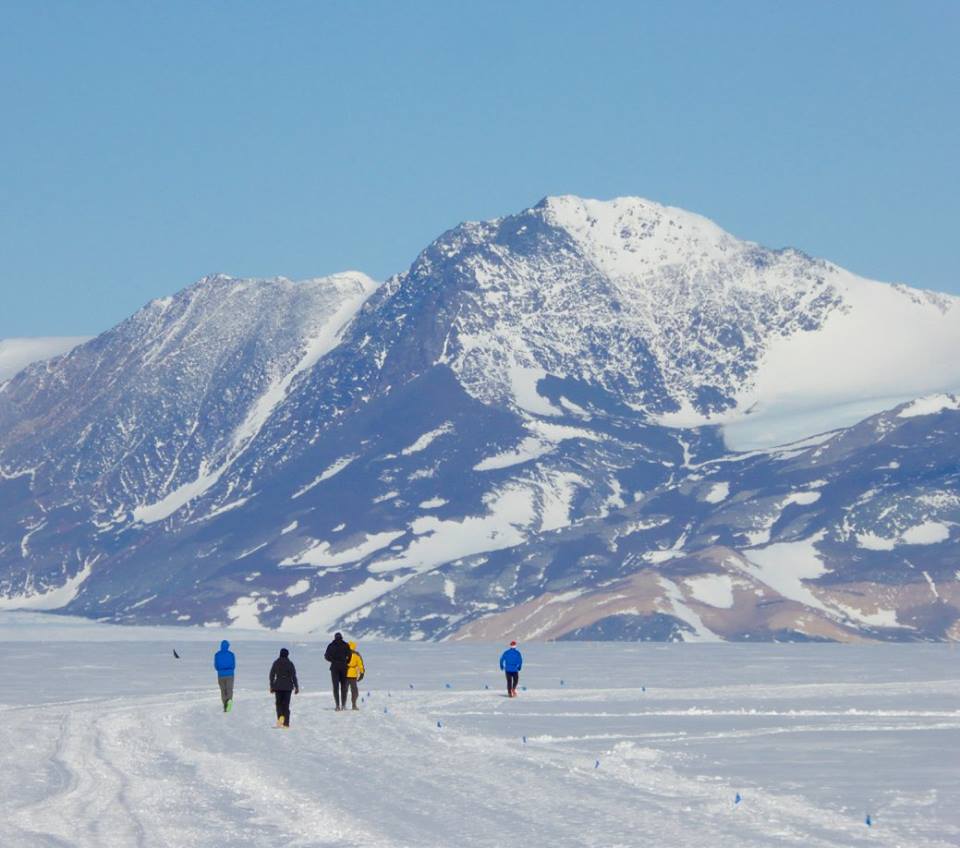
[535, 428]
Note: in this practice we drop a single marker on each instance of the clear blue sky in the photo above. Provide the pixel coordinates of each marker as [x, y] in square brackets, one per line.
[143, 145]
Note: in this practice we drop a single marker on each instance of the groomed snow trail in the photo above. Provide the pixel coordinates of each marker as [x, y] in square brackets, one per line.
[119, 744]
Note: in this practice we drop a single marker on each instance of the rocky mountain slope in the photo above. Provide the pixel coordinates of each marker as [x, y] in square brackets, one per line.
[540, 428]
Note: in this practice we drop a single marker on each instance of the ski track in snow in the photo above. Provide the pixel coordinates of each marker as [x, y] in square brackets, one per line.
[151, 761]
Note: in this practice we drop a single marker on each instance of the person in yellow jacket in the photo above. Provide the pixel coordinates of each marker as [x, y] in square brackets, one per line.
[355, 672]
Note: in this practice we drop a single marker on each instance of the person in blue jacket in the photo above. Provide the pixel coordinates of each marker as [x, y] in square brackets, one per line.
[510, 663]
[226, 664]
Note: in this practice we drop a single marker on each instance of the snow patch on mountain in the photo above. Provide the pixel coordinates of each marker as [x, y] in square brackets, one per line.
[301, 587]
[529, 449]
[525, 394]
[863, 360]
[927, 533]
[930, 405]
[321, 555]
[679, 608]
[321, 613]
[433, 503]
[717, 492]
[715, 590]
[330, 471]
[428, 439]
[874, 542]
[510, 511]
[786, 566]
[49, 598]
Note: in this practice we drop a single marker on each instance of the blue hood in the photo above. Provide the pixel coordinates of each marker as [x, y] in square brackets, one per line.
[223, 661]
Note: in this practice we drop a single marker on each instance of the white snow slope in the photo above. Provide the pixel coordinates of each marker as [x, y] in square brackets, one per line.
[116, 743]
[17, 354]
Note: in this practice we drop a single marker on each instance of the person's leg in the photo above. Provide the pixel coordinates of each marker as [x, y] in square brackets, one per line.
[228, 693]
[222, 682]
[286, 707]
[354, 691]
[344, 685]
[278, 697]
[507, 673]
[335, 679]
[512, 677]
[516, 680]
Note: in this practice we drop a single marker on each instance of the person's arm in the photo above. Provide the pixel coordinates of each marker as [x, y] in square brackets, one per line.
[273, 674]
[296, 684]
[503, 660]
[519, 661]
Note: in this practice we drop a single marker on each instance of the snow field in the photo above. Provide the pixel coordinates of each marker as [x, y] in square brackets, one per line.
[117, 743]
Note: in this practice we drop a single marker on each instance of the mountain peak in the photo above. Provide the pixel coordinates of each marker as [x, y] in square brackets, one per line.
[624, 235]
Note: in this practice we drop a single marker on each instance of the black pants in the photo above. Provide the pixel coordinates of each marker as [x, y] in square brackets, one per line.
[338, 674]
[513, 678]
[354, 691]
[283, 705]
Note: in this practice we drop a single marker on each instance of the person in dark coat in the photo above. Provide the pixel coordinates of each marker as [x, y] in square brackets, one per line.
[338, 654]
[283, 681]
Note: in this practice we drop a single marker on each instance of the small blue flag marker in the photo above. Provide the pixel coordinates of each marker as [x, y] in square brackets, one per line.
[384, 710]
[596, 765]
[439, 725]
[447, 685]
[643, 688]
[561, 683]
[524, 740]
[411, 686]
[737, 800]
[868, 821]
[389, 695]
[485, 686]
[523, 688]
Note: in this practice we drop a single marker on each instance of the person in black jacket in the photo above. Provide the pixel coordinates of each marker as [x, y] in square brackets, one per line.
[283, 679]
[338, 654]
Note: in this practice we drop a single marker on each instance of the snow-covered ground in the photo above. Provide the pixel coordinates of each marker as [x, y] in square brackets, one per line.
[110, 741]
